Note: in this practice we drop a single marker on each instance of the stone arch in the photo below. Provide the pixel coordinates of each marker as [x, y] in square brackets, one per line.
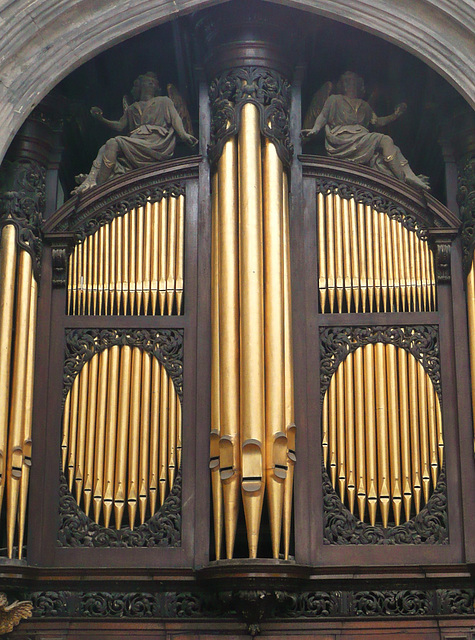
[47, 39]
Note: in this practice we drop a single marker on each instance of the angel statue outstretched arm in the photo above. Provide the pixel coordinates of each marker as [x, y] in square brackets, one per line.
[346, 118]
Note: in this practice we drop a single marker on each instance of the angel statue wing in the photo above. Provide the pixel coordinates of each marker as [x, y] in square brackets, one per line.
[181, 107]
[316, 105]
[12, 614]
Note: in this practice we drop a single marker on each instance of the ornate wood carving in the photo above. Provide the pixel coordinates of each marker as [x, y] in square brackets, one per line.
[466, 202]
[267, 89]
[59, 260]
[393, 603]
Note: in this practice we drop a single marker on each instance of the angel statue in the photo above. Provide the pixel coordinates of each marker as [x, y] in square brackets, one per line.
[346, 117]
[150, 125]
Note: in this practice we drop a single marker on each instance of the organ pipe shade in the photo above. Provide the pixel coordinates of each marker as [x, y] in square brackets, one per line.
[252, 423]
[133, 265]
[471, 335]
[121, 421]
[382, 434]
[369, 262]
[18, 303]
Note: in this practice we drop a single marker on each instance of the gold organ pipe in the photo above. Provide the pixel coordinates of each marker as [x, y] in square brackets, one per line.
[412, 267]
[144, 432]
[215, 411]
[128, 258]
[134, 434]
[147, 256]
[370, 429]
[252, 410]
[369, 256]
[163, 447]
[325, 419]
[384, 259]
[355, 265]
[163, 235]
[172, 399]
[425, 247]
[330, 251]
[393, 425]
[111, 432]
[376, 256]
[424, 280]
[396, 260]
[111, 232]
[122, 434]
[180, 252]
[103, 260]
[156, 257]
[404, 421]
[154, 434]
[100, 433]
[8, 260]
[432, 424]
[82, 430]
[229, 337]
[349, 431]
[391, 259]
[414, 423]
[423, 431]
[95, 273]
[338, 251]
[322, 259]
[88, 271]
[360, 431]
[382, 431]
[73, 426]
[332, 429]
[80, 277]
[70, 282]
[289, 415]
[73, 279]
[403, 283]
[119, 265]
[440, 437]
[30, 372]
[418, 271]
[139, 267]
[179, 421]
[432, 279]
[346, 231]
[276, 438]
[340, 429]
[65, 439]
[362, 244]
[90, 432]
[17, 402]
[171, 252]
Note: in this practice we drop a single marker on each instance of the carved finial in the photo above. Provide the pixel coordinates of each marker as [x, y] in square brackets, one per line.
[12, 614]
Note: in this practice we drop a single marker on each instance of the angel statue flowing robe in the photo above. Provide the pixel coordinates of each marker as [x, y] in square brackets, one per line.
[346, 132]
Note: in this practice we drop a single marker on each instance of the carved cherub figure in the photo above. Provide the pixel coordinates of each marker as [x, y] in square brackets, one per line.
[150, 125]
[346, 118]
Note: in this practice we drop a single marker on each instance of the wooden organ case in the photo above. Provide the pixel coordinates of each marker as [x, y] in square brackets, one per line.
[250, 380]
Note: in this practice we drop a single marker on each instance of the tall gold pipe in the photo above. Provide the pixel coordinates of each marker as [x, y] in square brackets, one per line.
[135, 421]
[163, 236]
[73, 427]
[430, 306]
[349, 431]
[360, 431]
[340, 429]
[424, 266]
[289, 414]
[440, 436]
[172, 399]
[154, 434]
[346, 231]
[404, 422]
[80, 279]
[393, 424]
[368, 215]
[384, 259]
[382, 431]
[65, 438]
[338, 251]
[171, 252]
[396, 260]
[370, 429]
[144, 433]
[325, 441]
[403, 269]
[432, 280]
[322, 259]
[72, 275]
[252, 411]
[432, 420]
[276, 455]
[412, 267]
[355, 265]
[96, 261]
[111, 432]
[156, 257]
[28, 417]
[128, 258]
[163, 448]
[111, 251]
[180, 252]
[179, 422]
[147, 256]
[8, 259]
[139, 267]
[132, 244]
[390, 260]
[89, 243]
[417, 256]
[100, 434]
[376, 256]
[423, 431]
[119, 264]
[101, 265]
[17, 402]
[229, 337]
[362, 244]
[122, 434]
[215, 376]
[90, 432]
[330, 246]
[70, 283]
[332, 429]
[414, 423]
[82, 430]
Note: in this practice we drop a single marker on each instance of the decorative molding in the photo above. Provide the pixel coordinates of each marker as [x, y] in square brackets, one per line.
[466, 202]
[442, 260]
[51, 604]
[393, 603]
[265, 88]
[59, 260]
